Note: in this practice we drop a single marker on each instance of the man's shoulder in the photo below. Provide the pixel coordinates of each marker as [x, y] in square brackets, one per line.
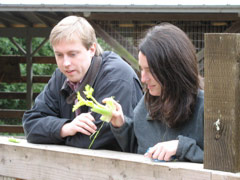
[113, 62]
[110, 57]
[58, 76]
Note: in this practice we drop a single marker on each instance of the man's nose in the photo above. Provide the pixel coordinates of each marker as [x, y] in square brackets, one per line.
[66, 61]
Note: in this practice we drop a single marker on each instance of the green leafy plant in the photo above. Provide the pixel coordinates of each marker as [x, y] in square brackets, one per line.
[104, 110]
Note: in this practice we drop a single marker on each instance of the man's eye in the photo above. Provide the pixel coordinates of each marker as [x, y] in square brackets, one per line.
[73, 54]
[58, 55]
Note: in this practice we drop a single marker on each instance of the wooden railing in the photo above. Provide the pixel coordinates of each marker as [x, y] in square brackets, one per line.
[10, 73]
[34, 161]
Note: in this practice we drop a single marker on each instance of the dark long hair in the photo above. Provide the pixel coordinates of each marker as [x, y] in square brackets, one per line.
[172, 61]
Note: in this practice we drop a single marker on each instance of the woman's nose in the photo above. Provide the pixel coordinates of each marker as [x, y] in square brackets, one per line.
[144, 77]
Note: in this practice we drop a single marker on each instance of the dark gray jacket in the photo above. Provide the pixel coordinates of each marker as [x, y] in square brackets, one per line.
[140, 133]
[42, 124]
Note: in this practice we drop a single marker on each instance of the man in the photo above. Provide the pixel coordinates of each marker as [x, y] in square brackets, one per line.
[80, 61]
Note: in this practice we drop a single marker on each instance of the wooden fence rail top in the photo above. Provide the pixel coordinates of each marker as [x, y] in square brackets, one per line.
[34, 161]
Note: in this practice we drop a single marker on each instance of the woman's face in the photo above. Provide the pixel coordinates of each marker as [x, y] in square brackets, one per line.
[147, 77]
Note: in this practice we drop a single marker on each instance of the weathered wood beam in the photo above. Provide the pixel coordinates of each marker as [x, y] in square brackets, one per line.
[29, 72]
[39, 47]
[25, 32]
[15, 95]
[164, 16]
[11, 113]
[35, 161]
[14, 19]
[36, 79]
[38, 59]
[116, 45]
[222, 102]
[129, 46]
[235, 28]
[17, 45]
[11, 129]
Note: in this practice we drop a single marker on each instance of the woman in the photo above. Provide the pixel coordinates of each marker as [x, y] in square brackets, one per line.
[168, 120]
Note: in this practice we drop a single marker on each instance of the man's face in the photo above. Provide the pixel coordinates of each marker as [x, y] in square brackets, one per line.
[73, 59]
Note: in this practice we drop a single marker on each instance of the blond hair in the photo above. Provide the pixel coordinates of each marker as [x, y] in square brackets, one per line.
[74, 28]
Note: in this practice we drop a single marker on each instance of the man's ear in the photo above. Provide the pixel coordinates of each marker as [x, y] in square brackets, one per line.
[92, 49]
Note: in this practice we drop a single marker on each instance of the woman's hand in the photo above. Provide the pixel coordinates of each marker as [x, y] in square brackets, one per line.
[117, 119]
[82, 123]
[163, 151]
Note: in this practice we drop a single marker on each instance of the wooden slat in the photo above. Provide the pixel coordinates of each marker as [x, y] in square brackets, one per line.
[38, 60]
[164, 16]
[15, 95]
[36, 79]
[11, 129]
[10, 113]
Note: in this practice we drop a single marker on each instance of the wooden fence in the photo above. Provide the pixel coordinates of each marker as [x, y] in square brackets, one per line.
[40, 162]
[10, 73]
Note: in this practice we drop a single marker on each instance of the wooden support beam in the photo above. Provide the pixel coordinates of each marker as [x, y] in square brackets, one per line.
[11, 129]
[11, 113]
[15, 95]
[37, 60]
[25, 32]
[164, 16]
[36, 79]
[116, 45]
[29, 72]
[222, 102]
[235, 28]
[35, 161]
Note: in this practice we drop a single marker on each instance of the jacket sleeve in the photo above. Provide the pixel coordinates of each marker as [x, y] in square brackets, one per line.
[125, 136]
[189, 150]
[42, 124]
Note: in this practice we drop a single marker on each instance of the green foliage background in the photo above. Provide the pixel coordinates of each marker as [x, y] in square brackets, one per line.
[8, 48]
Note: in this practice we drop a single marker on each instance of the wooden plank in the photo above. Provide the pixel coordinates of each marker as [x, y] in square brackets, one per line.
[32, 161]
[164, 16]
[11, 129]
[36, 79]
[222, 102]
[37, 60]
[11, 113]
[15, 95]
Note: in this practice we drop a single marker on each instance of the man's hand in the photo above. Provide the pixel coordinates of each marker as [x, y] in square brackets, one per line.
[82, 123]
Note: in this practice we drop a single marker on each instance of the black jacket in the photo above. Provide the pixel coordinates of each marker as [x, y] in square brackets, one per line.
[42, 124]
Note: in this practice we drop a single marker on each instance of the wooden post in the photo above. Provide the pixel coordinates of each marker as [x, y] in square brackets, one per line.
[222, 102]
[29, 72]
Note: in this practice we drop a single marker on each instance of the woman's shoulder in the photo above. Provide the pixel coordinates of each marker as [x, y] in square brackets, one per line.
[201, 93]
[141, 107]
